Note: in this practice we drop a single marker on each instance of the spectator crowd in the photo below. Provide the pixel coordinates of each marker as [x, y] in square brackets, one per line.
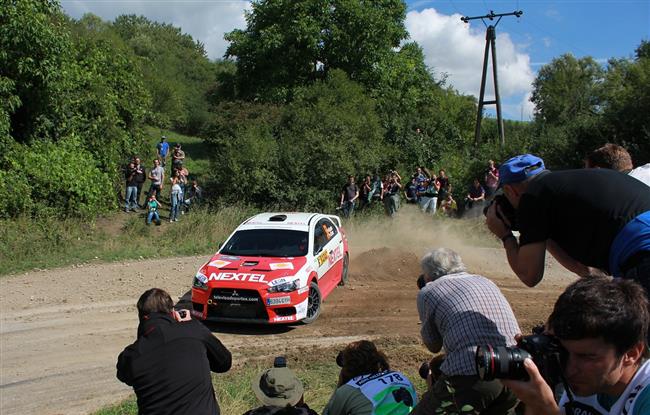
[591, 356]
[184, 190]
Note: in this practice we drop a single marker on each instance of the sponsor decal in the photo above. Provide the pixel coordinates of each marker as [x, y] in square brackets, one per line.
[234, 297]
[303, 290]
[230, 257]
[278, 281]
[281, 265]
[217, 263]
[322, 257]
[335, 255]
[283, 318]
[237, 276]
[278, 300]
[202, 278]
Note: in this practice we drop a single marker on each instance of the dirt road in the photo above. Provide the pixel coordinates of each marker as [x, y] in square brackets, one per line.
[61, 330]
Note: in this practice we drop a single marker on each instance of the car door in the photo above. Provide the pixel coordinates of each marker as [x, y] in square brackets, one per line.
[328, 253]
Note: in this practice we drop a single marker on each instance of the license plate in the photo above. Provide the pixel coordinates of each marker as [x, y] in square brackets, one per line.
[278, 300]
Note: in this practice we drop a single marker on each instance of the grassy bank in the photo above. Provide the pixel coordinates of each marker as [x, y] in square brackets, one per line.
[47, 242]
[315, 368]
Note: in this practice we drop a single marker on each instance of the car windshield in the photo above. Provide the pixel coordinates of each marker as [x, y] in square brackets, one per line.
[267, 242]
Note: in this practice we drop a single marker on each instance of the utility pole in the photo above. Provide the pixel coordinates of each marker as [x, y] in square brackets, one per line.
[490, 42]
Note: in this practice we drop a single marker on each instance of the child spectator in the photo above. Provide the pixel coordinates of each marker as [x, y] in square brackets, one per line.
[153, 206]
[280, 392]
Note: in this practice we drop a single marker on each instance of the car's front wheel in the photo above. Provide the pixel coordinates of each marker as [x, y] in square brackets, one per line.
[313, 304]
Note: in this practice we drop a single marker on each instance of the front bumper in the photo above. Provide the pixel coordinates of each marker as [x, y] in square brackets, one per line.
[232, 304]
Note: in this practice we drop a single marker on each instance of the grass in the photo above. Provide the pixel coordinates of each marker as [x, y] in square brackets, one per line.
[317, 371]
[44, 242]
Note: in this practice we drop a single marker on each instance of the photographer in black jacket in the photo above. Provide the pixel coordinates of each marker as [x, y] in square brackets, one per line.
[169, 364]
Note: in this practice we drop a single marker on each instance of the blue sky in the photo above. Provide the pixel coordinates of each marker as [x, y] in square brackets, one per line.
[599, 28]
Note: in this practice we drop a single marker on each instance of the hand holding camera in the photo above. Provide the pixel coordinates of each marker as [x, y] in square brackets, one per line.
[181, 315]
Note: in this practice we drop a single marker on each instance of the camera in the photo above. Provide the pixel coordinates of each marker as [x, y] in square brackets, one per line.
[502, 362]
[507, 209]
[432, 366]
[182, 313]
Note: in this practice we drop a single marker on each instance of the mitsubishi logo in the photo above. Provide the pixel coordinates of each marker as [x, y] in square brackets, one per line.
[235, 293]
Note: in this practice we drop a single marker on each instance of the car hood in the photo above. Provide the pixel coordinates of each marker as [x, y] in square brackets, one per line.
[250, 271]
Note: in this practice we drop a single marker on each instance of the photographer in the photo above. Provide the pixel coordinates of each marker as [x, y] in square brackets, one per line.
[602, 324]
[169, 364]
[587, 219]
[461, 311]
[367, 386]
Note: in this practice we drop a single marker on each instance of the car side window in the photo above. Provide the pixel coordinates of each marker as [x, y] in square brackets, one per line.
[323, 232]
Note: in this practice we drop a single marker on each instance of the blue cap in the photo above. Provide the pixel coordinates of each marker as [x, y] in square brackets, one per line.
[520, 168]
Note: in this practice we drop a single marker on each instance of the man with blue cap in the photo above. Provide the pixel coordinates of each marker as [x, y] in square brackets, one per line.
[589, 220]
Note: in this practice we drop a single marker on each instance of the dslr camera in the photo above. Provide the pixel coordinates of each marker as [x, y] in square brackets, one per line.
[507, 209]
[502, 362]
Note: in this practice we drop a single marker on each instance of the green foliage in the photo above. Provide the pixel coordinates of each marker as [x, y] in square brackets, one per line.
[294, 156]
[290, 43]
[176, 70]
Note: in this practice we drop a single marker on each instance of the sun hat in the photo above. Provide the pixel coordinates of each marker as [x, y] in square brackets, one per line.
[278, 386]
[520, 168]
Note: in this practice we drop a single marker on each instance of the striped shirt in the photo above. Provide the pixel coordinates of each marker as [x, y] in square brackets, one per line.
[464, 311]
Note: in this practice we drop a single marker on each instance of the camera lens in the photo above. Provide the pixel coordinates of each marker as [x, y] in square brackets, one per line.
[501, 363]
[423, 371]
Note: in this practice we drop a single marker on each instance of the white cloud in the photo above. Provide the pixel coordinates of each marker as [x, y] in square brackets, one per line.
[205, 21]
[455, 48]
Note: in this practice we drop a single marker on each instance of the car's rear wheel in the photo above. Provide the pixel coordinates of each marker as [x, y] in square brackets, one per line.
[344, 272]
[313, 303]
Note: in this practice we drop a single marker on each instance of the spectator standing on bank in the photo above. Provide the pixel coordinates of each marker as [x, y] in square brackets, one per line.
[152, 210]
[411, 191]
[176, 196]
[475, 197]
[615, 157]
[169, 364]
[163, 150]
[376, 189]
[390, 194]
[192, 196]
[349, 195]
[491, 179]
[588, 219]
[280, 392]
[130, 196]
[429, 198]
[445, 185]
[367, 385]
[364, 192]
[460, 311]
[157, 177]
[178, 156]
[140, 178]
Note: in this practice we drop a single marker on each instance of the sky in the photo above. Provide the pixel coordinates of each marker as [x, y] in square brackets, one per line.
[602, 29]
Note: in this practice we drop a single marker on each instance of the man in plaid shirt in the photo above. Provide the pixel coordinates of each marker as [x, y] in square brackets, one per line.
[460, 311]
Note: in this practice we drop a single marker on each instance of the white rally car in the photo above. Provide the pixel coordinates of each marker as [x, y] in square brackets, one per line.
[274, 268]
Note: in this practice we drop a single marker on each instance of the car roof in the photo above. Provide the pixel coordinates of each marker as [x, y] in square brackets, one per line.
[299, 221]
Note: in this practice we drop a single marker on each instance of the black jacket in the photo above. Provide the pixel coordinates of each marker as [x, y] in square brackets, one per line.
[169, 367]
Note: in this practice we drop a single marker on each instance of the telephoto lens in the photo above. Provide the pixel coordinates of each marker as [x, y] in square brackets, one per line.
[423, 371]
[501, 363]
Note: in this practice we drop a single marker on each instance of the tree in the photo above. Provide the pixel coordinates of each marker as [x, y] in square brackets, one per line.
[289, 43]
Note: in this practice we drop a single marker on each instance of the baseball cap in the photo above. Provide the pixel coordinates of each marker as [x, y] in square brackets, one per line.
[520, 168]
[278, 386]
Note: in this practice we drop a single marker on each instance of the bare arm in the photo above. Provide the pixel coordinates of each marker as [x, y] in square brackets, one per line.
[569, 263]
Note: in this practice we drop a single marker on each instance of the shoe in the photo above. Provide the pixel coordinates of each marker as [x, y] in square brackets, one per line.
[126, 210]
[182, 212]
[175, 220]
[171, 220]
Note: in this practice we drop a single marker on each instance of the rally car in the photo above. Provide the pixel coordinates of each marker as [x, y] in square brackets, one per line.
[274, 268]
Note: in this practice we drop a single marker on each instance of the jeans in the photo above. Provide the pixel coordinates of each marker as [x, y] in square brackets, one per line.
[131, 198]
[347, 208]
[153, 215]
[391, 204]
[176, 199]
[428, 204]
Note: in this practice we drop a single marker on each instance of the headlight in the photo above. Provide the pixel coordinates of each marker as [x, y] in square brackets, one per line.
[200, 281]
[285, 287]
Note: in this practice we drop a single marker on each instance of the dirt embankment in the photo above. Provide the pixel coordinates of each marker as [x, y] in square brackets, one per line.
[61, 330]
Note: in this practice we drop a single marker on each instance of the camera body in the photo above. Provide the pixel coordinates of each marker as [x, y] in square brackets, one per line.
[507, 209]
[508, 362]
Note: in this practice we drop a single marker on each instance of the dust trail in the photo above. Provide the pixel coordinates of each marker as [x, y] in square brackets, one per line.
[414, 232]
